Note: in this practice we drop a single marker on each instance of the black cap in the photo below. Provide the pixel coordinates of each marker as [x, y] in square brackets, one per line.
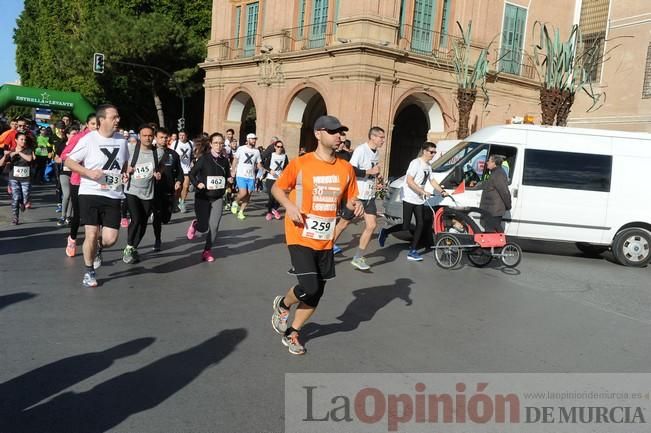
[330, 123]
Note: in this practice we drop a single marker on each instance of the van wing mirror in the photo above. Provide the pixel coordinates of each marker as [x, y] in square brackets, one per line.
[457, 175]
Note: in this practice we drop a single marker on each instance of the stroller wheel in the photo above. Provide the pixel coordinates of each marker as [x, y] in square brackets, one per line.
[448, 252]
[479, 257]
[511, 255]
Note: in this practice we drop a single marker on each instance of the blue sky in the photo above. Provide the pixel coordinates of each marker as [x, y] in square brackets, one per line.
[10, 11]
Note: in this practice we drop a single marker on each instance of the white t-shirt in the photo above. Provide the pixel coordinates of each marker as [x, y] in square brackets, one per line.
[277, 161]
[247, 161]
[365, 158]
[185, 154]
[94, 151]
[422, 173]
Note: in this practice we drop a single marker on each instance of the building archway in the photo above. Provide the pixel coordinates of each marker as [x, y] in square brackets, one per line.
[417, 115]
[307, 106]
[241, 110]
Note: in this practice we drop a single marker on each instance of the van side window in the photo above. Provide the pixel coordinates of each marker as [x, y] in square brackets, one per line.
[567, 170]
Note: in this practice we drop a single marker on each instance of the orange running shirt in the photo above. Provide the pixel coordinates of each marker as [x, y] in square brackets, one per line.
[317, 187]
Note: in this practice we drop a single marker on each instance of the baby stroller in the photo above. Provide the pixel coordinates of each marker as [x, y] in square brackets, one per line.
[457, 231]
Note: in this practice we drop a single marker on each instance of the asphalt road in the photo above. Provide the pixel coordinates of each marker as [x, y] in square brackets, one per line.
[176, 345]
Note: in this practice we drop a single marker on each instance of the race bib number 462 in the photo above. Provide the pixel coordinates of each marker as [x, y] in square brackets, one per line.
[319, 228]
[215, 182]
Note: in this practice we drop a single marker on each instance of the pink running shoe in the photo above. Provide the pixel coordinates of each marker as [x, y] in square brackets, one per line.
[206, 256]
[275, 213]
[192, 231]
[71, 248]
[268, 216]
[124, 222]
[28, 205]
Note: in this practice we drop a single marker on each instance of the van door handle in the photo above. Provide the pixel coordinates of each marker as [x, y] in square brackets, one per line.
[515, 193]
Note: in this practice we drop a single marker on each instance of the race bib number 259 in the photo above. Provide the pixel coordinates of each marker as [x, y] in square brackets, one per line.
[319, 228]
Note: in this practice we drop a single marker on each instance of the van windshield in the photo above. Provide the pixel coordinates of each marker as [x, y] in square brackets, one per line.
[453, 156]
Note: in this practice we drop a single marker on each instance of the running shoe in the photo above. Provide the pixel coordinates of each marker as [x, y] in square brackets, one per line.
[67, 221]
[336, 249]
[61, 222]
[382, 236]
[89, 279]
[241, 216]
[275, 213]
[192, 230]
[14, 220]
[206, 256]
[124, 222]
[227, 207]
[268, 217]
[28, 205]
[182, 207]
[71, 248]
[98, 256]
[291, 342]
[235, 208]
[156, 246]
[280, 316]
[58, 209]
[128, 255]
[360, 263]
[414, 256]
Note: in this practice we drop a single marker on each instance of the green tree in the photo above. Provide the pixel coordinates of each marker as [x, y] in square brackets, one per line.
[55, 50]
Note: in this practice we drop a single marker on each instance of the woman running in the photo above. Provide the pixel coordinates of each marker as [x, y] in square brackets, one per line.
[19, 162]
[209, 175]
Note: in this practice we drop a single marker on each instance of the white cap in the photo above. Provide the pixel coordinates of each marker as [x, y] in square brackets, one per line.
[250, 135]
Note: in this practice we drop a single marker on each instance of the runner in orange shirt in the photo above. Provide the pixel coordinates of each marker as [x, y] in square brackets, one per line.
[311, 189]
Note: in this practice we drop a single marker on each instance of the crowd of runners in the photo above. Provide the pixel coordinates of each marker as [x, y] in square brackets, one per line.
[108, 177]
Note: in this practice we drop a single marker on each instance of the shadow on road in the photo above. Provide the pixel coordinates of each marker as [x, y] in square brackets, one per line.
[30, 388]
[363, 308]
[108, 404]
[7, 300]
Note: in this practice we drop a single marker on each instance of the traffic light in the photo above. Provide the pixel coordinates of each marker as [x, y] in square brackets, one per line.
[181, 123]
[98, 63]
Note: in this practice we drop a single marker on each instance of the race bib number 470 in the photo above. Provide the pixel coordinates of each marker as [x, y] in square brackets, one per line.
[21, 171]
[319, 228]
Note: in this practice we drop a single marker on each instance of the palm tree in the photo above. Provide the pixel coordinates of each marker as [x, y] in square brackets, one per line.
[468, 77]
[564, 68]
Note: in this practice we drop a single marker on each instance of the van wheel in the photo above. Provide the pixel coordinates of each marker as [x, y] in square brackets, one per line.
[631, 247]
[590, 250]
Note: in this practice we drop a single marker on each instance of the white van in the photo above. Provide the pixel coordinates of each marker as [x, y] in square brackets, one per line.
[586, 186]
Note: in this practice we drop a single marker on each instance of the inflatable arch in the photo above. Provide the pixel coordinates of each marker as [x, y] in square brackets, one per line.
[45, 98]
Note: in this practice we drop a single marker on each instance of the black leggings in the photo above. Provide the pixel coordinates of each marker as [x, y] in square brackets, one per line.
[139, 210]
[422, 219]
[74, 221]
[272, 203]
[162, 209]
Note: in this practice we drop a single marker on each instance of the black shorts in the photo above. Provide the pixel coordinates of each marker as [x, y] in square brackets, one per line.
[369, 209]
[96, 210]
[308, 263]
